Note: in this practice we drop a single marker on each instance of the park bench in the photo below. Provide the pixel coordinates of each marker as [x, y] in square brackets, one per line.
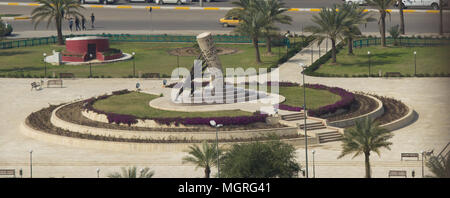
[397, 173]
[55, 82]
[409, 155]
[393, 74]
[150, 75]
[10, 172]
[66, 75]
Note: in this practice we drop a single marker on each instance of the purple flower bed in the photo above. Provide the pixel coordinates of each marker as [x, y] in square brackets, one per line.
[347, 98]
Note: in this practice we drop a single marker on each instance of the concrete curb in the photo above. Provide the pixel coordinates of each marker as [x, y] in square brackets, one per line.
[404, 121]
[210, 8]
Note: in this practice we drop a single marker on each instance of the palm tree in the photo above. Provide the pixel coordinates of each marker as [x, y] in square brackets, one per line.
[274, 11]
[329, 23]
[132, 173]
[441, 26]
[402, 18]
[252, 21]
[439, 166]
[357, 16]
[382, 6]
[204, 157]
[363, 139]
[55, 11]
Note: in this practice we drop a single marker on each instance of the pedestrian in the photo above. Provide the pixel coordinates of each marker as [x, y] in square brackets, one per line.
[92, 20]
[70, 24]
[77, 24]
[83, 23]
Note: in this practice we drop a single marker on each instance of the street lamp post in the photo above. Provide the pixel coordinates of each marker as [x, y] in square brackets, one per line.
[423, 175]
[415, 65]
[312, 54]
[98, 172]
[314, 166]
[217, 126]
[45, 65]
[304, 115]
[31, 163]
[90, 65]
[134, 64]
[368, 53]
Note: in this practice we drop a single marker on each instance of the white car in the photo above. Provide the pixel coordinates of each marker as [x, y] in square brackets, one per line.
[98, 1]
[179, 2]
[359, 2]
[420, 3]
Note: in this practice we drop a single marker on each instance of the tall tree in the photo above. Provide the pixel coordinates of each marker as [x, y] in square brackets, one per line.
[271, 159]
[439, 166]
[252, 22]
[441, 24]
[363, 139]
[274, 12]
[330, 23]
[206, 157]
[55, 11]
[357, 16]
[402, 18]
[382, 6]
[131, 172]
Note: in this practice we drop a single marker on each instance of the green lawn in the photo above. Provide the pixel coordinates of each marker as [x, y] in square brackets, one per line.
[431, 60]
[314, 98]
[136, 104]
[150, 58]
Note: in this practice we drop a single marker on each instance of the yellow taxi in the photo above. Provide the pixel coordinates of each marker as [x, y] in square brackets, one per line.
[229, 21]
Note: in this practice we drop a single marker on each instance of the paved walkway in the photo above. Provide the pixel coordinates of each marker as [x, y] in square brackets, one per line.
[428, 96]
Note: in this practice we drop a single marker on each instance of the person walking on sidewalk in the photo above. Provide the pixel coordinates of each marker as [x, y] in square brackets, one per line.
[70, 24]
[77, 24]
[83, 23]
[92, 20]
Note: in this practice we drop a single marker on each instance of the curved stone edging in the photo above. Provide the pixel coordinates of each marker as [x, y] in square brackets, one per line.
[351, 121]
[156, 135]
[401, 122]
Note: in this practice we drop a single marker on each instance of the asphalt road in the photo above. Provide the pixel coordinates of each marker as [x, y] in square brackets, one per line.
[108, 19]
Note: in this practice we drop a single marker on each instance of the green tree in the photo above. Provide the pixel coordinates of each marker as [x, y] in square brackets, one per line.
[382, 6]
[2, 29]
[252, 21]
[55, 11]
[366, 137]
[330, 23]
[260, 160]
[439, 166]
[395, 34]
[274, 12]
[357, 16]
[131, 172]
[204, 157]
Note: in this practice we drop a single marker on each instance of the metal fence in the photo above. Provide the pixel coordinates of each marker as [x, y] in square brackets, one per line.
[404, 41]
[131, 38]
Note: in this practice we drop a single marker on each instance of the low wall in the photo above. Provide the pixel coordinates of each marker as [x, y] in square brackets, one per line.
[351, 121]
[402, 122]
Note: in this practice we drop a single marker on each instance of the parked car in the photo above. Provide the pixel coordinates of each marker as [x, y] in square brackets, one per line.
[420, 3]
[98, 1]
[229, 21]
[359, 2]
[178, 2]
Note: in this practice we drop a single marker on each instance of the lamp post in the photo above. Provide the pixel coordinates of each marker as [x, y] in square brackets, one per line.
[45, 65]
[312, 54]
[90, 65]
[141, 171]
[31, 163]
[98, 172]
[287, 37]
[423, 175]
[217, 126]
[415, 65]
[314, 166]
[368, 53]
[178, 65]
[134, 64]
[304, 115]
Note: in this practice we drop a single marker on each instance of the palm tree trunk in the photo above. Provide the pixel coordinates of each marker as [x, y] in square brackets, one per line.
[269, 44]
[367, 163]
[258, 56]
[383, 29]
[333, 49]
[207, 172]
[402, 18]
[350, 45]
[58, 29]
[441, 25]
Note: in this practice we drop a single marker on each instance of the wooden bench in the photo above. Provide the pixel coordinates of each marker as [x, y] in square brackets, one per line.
[393, 74]
[55, 82]
[397, 173]
[150, 75]
[10, 172]
[409, 155]
[66, 75]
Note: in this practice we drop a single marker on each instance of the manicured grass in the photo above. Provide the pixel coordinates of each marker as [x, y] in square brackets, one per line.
[430, 60]
[150, 58]
[10, 15]
[137, 104]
